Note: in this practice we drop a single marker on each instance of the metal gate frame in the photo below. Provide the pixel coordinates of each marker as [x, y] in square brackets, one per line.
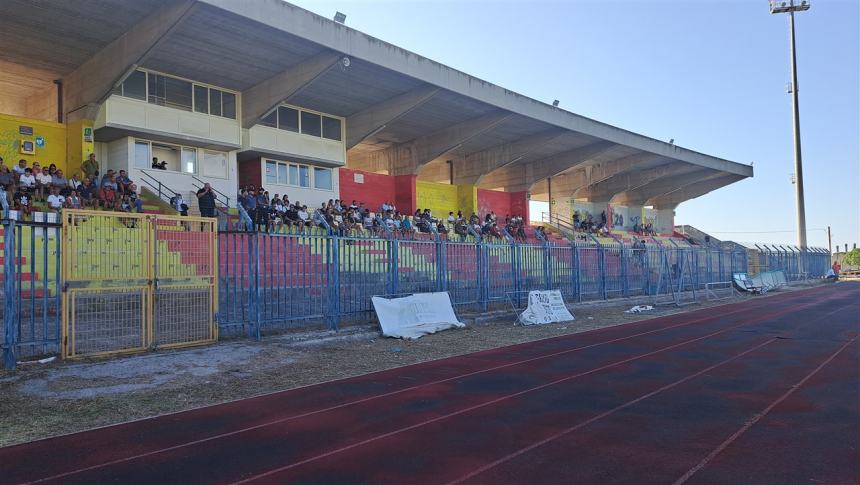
[129, 290]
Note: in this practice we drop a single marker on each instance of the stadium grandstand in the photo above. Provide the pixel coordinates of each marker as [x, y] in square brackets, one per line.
[336, 165]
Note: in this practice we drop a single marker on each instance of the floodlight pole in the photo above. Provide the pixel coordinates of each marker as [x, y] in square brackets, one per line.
[791, 6]
[798, 162]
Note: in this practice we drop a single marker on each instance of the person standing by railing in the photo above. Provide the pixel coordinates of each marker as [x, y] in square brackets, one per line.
[206, 201]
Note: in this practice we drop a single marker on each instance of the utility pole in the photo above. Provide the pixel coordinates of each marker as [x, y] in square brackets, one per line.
[829, 241]
[791, 6]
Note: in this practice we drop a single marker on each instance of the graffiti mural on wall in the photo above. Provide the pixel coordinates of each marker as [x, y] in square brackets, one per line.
[10, 143]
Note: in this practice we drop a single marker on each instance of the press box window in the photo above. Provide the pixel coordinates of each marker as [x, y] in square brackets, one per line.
[288, 119]
[331, 128]
[311, 124]
[169, 92]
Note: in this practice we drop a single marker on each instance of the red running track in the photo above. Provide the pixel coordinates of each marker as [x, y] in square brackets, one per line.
[763, 391]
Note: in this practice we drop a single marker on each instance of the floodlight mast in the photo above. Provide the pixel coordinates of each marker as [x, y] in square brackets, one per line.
[791, 6]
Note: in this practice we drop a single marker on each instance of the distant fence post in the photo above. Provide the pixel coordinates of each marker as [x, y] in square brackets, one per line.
[516, 264]
[577, 277]
[625, 283]
[484, 272]
[10, 339]
[601, 265]
[256, 301]
[441, 265]
[547, 267]
[333, 263]
[393, 246]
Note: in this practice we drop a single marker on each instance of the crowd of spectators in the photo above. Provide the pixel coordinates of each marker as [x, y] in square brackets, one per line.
[277, 213]
[24, 185]
[646, 229]
[585, 222]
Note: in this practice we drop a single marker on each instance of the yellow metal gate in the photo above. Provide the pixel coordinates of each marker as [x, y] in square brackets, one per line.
[133, 282]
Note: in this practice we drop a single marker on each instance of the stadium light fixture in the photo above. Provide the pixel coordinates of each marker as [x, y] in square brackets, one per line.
[340, 17]
[789, 7]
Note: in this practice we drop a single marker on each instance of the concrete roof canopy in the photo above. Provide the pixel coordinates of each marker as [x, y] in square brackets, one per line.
[404, 112]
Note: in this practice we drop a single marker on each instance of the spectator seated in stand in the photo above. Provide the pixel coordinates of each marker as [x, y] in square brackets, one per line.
[123, 182]
[43, 182]
[56, 201]
[88, 193]
[23, 201]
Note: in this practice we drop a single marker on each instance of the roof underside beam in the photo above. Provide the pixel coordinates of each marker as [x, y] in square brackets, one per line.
[262, 98]
[474, 166]
[519, 177]
[696, 189]
[89, 85]
[374, 119]
[604, 190]
[640, 195]
[573, 180]
[409, 157]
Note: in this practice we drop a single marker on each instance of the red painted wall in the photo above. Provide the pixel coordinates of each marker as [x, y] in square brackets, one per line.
[503, 203]
[520, 204]
[495, 201]
[250, 173]
[405, 193]
[375, 190]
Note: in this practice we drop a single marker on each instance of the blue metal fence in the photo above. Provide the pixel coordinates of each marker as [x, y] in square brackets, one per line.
[31, 289]
[274, 282]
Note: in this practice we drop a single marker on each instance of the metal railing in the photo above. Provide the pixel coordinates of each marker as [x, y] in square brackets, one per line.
[163, 192]
[224, 196]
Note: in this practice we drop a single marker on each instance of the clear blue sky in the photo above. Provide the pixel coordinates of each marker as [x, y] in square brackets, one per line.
[710, 74]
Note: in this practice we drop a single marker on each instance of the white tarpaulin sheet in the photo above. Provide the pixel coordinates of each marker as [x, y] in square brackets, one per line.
[545, 307]
[416, 315]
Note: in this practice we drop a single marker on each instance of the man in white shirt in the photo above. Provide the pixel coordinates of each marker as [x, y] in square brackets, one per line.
[20, 168]
[43, 183]
[74, 182]
[55, 200]
[27, 180]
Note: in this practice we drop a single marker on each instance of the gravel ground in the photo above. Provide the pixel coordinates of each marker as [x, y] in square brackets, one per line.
[41, 400]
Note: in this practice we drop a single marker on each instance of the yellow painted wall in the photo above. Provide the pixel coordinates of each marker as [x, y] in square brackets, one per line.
[439, 198]
[78, 149]
[467, 199]
[54, 134]
[445, 198]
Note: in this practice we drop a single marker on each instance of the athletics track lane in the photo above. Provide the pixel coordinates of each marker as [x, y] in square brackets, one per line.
[479, 419]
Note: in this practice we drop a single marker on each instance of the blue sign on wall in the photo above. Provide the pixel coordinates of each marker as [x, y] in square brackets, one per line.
[40, 142]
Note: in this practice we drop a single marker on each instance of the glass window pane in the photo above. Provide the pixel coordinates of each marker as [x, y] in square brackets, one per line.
[228, 105]
[288, 119]
[189, 160]
[178, 93]
[201, 99]
[304, 175]
[294, 175]
[311, 124]
[156, 89]
[270, 119]
[214, 164]
[271, 176]
[135, 86]
[282, 174]
[331, 128]
[322, 178]
[141, 154]
[215, 102]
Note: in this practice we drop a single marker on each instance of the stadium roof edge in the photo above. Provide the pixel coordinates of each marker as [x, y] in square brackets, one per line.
[320, 30]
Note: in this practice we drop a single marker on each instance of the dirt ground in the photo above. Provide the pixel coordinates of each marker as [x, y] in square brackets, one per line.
[41, 400]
